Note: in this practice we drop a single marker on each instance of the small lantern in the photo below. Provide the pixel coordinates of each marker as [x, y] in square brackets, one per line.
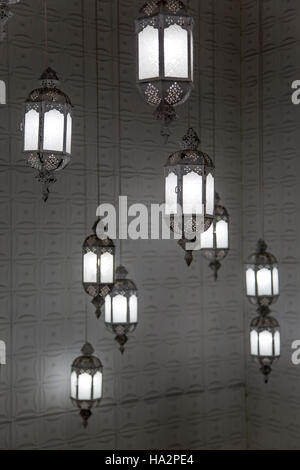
[5, 15]
[47, 130]
[262, 277]
[86, 382]
[121, 308]
[265, 341]
[165, 56]
[98, 262]
[189, 185]
[215, 241]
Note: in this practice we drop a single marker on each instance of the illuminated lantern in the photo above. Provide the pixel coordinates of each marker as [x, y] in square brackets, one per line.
[215, 241]
[121, 308]
[265, 341]
[98, 262]
[165, 56]
[48, 130]
[189, 189]
[262, 277]
[86, 382]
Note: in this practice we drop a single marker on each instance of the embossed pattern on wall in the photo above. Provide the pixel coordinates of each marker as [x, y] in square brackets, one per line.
[181, 381]
[274, 410]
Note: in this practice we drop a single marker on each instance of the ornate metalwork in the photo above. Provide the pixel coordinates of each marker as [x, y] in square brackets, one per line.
[125, 288]
[165, 91]
[262, 324]
[47, 161]
[98, 290]
[86, 364]
[190, 160]
[5, 15]
[217, 254]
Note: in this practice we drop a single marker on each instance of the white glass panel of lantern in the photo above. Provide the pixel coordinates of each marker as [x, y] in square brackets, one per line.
[277, 343]
[222, 234]
[107, 268]
[133, 308]
[171, 195]
[31, 130]
[275, 281]
[54, 123]
[264, 281]
[73, 385]
[192, 193]
[250, 282]
[207, 238]
[90, 267]
[97, 386]
[265, 343]
[119, 309]
[176, 52]
[148, 53]
[69, 134]
[254, 343]
[84, 386]
[210, 194]
[2, 92]
[108, 309]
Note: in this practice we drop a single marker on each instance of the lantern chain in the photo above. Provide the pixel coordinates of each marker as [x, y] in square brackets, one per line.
[119, 118]
[46, 32]
[214, 81]
[261, 115]
[97, 101]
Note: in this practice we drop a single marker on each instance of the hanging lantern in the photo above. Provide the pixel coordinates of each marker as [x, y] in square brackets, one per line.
[47, 130]
[265, 341]
[5, 15]
[189, 189]
[86, 382]
[98, 262]
[262, 277]
[165, 56]
[121, 308]
[215, 241]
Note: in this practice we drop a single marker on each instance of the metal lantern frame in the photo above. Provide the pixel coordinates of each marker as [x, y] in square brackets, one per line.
[89, 364]
[262, 259]
[181, 163]
[215, 255]
[264, 322]
[5, 15]
[46, 98]
[99, 246]
[163, 91]
[127, 289]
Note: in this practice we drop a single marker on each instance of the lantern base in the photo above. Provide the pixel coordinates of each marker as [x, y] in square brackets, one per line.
[98, 302]
[46, 178]
[215, 266]
[166, 113]
[85, 414]
[266, 371]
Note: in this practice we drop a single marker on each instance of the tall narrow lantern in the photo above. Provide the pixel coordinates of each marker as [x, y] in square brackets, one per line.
[215, 241]
[5, 15]
[164, 34]
[262, 277]
[265, 341]
[121, 308]
[189, 189]
[47, 130]
[86, 382]
[98, 263]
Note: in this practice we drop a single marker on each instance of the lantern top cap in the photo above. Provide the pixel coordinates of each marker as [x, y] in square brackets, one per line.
[49, 91]
[264, 322]
[190, 154]
[121, 272]
[262, 257]
[170, 7]
[220, 211]
[87, 361]
[49, 75]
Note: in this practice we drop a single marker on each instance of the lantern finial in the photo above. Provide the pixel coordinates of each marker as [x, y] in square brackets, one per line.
[121, 272]
[49, 78]
[190, 140]
[87, 349]
[266, 371]
[85, 414]
[215, 266]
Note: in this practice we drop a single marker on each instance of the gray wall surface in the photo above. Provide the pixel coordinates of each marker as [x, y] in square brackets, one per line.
[185, 380]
